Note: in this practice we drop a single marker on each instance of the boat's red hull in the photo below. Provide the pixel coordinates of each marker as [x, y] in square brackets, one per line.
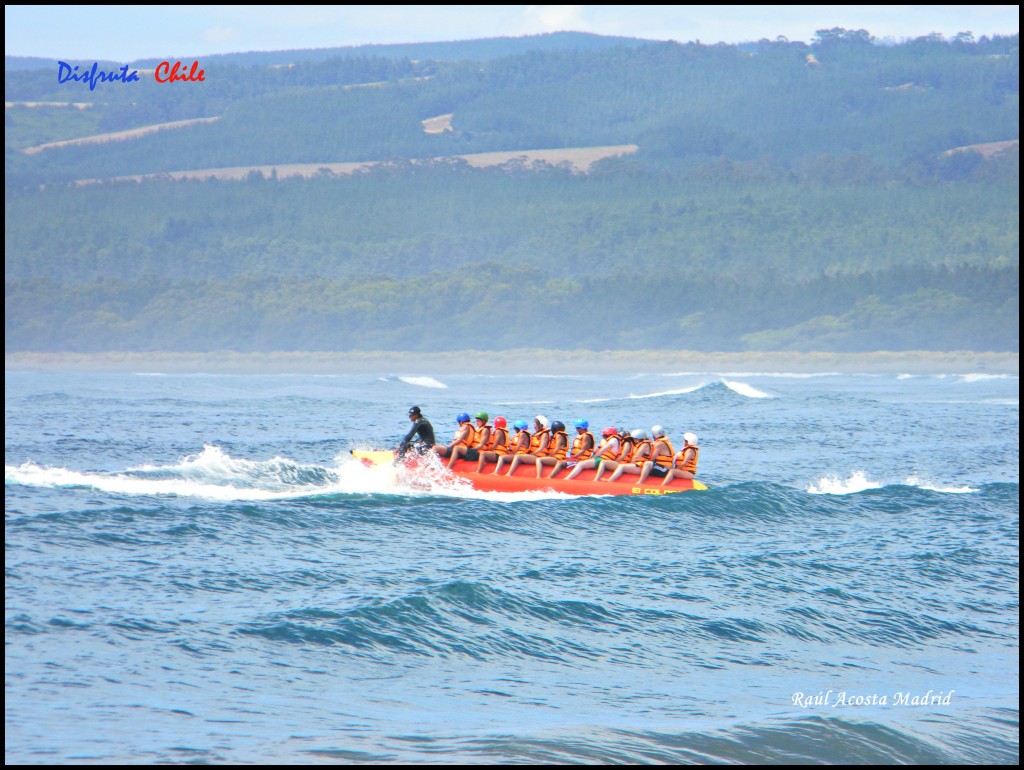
[525, 479]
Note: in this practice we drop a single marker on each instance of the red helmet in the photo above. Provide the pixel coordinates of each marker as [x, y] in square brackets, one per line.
[499, 422]
[609, 432]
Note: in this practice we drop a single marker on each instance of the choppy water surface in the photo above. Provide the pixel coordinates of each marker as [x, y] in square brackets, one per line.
[196, 571]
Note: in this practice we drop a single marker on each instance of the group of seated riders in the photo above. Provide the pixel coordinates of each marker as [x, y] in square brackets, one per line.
[550, 449]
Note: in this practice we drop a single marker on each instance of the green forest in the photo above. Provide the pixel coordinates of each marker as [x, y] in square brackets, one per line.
[785, 196]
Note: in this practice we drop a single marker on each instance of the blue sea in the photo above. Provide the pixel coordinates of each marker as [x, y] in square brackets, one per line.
[197, 571]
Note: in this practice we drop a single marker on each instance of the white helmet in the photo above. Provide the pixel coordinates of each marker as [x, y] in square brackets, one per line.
[657, 431]
[639, 435]
[690, 438]
[542, 420]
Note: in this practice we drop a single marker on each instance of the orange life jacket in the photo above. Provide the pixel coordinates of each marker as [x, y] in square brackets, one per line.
[665, 455]
[577, 446]
[691, 464]
[522, 447]
[498, 441]
[468, 439]
[641, 451]
[606, 451]
[626, 447]
[537, 439]
[481, 435]
[557, 446]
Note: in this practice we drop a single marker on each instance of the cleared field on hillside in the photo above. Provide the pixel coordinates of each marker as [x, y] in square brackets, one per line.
[117, 136]
[580, 159]
[986, 149]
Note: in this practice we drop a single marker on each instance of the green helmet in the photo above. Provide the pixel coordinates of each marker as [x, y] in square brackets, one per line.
[481, 416]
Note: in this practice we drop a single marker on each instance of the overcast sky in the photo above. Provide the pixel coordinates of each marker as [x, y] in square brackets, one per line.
[127, 33]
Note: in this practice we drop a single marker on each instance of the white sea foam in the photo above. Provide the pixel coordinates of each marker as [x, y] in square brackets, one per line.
[662, 393]
[914, 481]
[745, 390]
[859, 482]
[213, 474]
[430, 477]
[783, 375]
[833, 485]
[29, 474]
[423, 382]
[741, 388]
[971, 377]
[982, 377]
[215, 465]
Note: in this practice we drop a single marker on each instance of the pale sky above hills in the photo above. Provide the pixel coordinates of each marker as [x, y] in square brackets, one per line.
[127, 33]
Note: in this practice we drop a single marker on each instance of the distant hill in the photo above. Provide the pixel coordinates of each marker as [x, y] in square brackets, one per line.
[455, 50]
[16, 63]
[683, 105]
[833, 195]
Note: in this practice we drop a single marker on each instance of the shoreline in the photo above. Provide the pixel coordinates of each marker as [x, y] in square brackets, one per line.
[521, 360]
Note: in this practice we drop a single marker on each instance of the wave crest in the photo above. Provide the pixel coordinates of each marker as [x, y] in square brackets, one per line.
[712, 387]
[859, 482]
[423, 382]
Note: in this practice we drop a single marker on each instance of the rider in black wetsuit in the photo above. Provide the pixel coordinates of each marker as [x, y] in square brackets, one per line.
[420, 437]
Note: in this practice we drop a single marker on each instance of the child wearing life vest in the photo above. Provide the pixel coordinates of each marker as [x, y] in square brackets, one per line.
[480, 437]
[606, 451]
[662, 456]
[539, 444]
[634, 464]
[582, 449]
[685, 464]
[498, 444]
[463, 436]
[519, 444]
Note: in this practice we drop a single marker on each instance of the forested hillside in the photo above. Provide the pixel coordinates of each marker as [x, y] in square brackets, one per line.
[785, 196]
[682, 104]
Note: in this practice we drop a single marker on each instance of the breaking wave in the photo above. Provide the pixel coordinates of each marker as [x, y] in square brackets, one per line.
[423, 382]
[859, 482]
[213, 474]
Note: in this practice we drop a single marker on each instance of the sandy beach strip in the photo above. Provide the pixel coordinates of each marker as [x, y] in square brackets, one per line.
[534, 361]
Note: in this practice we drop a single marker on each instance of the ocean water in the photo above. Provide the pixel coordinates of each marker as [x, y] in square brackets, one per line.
[196, 571]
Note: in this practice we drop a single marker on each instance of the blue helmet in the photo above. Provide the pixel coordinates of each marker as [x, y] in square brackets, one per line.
[519, 425]
[583, 424]
[463, 417]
